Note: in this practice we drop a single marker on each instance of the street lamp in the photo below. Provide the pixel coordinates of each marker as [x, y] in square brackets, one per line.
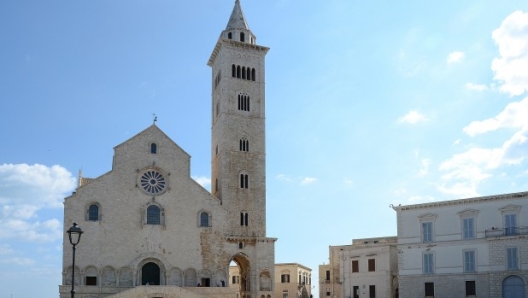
[74, 233]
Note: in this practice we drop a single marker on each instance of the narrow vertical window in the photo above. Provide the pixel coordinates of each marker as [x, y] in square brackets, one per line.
[253, 74]
[427, 232]
[242, 36]
[204, 219]
[93, 213]
[471, 289]
[230, 35]
[469, 228]
[238, 71]
[371, 265]
[244, 72]
[246, 219]
[510, 224]
[233, 71]
[153, 148]
[241, 218]
[355, 266]
[248, 75]
[469, 261]
[216, 150]
[216, 184]
[372, 291]
[428, 265]
[512, 259]
[429, 289]
[244, 181]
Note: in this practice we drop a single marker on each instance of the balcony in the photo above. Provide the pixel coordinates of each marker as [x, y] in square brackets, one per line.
[514, 231]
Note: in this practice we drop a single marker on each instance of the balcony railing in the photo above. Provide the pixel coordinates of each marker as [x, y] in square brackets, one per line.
[513, 231]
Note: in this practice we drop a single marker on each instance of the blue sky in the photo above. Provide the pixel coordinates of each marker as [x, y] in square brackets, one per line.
[369, 103]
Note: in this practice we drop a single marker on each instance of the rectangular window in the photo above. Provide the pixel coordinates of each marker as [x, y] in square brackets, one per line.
[355, 266]
[285, 294]
[469, 228]
[429, 289]
[328, 292]
[427, 232]
[327, 274]
[235, 280]
[371, 265]
[285, 278]
[372, 291]
[510, 224]
[471, 289]
[428, 264]
[512, 259]
[469, 261]
[91, 281]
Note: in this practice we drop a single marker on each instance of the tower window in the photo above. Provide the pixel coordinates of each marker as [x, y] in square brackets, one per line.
[242, 36]
[244, 218]
[93, 213]
[248, 75]
[244, 181]
[253, 74]
[230, 35]
[153, 215]
[244, 145]
[216, 184]
[243, 102]
[153, 148]
[238, 71]
[244, 72]
[233, 71]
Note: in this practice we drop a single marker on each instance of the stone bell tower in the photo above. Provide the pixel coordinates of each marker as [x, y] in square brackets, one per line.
[238, 127]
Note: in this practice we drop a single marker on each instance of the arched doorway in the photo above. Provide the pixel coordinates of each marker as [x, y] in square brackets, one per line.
[243, 272]
[513, 287]
[150, 274]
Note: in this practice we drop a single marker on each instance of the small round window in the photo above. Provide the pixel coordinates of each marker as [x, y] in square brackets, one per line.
[153, 182]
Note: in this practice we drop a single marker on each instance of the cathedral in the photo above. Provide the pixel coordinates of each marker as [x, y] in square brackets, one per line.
[150, 230]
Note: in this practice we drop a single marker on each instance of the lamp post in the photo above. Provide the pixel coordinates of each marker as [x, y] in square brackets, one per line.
[74, 233]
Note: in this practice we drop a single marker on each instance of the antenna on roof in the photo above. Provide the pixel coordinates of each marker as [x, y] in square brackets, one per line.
[155, 118]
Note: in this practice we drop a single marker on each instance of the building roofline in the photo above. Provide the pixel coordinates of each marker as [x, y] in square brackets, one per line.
[483, 199]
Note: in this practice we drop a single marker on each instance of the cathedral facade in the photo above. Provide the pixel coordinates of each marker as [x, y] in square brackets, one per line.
[148, 224]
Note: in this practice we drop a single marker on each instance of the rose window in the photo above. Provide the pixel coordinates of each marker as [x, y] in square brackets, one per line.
[153, 182]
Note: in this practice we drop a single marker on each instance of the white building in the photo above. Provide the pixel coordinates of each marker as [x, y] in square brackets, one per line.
[476, 247]
[366, 269]
[147, 222]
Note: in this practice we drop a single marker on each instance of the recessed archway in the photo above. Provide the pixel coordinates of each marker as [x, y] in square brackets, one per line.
[150, 274]
[244, 269]
[513, 287]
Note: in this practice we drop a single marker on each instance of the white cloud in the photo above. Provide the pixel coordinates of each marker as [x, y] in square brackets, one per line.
[17, 261]
[455, 57]
[283, 177]
[515, 115]
[511, 68]
[308, 180]
[202, 180]
[425, 167]
[476, 87]
[412, 117]
[27, 189]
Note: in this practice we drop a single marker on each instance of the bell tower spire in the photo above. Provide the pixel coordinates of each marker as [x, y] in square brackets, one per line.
[237, 28]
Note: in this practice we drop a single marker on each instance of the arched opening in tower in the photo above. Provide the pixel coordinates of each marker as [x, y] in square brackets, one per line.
[239, 269]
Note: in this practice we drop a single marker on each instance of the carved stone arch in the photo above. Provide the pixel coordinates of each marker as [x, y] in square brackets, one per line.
[68, 279]
[175, 277]
[148, 263]
[265, 280]
[190, 277]
[244, 267]
[220, 278]
[90, 271]
[109, 276]
[126, 278]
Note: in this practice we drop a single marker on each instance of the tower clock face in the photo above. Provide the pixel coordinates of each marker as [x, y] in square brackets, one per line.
[152, 182]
